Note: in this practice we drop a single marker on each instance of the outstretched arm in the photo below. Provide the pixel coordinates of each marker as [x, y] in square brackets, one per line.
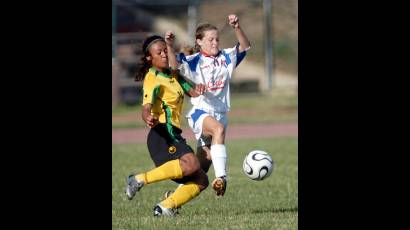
[169, 40]
[240, 35]
[191, 89]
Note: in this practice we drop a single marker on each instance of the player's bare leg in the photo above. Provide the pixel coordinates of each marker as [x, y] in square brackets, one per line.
[204, 156]
[217, 151]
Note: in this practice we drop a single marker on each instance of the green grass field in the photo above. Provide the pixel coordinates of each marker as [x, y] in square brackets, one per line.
[247, 204]
[245, 109]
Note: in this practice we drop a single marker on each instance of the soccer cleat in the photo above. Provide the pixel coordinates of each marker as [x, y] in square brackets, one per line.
[219, 185]
[133, 186]
[161, 211]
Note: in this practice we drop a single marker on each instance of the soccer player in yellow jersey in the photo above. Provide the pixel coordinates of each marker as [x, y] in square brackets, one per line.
[163, 96]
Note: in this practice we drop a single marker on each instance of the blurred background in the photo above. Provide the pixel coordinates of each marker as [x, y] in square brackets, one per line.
[271, 65]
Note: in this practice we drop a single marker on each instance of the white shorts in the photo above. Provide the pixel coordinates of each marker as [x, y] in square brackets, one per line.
[195, 120]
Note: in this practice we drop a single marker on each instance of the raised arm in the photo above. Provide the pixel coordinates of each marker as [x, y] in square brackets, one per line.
[169, 40]
[240, 35]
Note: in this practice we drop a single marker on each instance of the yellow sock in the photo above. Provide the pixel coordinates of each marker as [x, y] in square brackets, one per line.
[182, 195]
[169, 170]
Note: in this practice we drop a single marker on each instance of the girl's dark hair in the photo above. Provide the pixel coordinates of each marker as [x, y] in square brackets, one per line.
[143, 65]
[200, 33]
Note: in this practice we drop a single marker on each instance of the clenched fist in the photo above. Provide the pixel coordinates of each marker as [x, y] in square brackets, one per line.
[233, 20]
[169, 38]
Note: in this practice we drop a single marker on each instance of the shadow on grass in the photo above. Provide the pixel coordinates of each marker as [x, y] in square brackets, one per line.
[276, 210]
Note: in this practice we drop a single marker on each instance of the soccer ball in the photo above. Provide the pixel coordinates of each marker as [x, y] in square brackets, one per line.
[258, 165]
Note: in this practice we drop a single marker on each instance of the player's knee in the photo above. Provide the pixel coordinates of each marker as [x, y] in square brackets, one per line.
[194, 166]
[189, 164]
[219, 130]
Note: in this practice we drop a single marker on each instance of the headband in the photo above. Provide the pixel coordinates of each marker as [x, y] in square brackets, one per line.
[149, 41]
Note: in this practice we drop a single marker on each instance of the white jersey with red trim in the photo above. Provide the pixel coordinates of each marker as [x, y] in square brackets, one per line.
[214, 73]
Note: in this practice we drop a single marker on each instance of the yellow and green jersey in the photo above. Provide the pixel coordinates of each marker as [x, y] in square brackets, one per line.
[166, 94]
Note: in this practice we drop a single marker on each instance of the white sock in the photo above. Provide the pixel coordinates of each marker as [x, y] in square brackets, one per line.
[218, 155]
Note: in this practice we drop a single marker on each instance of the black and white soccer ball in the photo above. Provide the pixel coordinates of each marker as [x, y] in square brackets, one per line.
[258, 165]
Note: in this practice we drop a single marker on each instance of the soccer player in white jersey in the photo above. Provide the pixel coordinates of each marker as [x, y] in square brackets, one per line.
[212, 67]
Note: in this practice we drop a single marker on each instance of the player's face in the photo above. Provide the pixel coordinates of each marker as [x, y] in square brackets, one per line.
[158, 55]
[210, 42]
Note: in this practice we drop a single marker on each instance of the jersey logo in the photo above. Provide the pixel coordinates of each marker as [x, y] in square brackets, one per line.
[172, 149]
[214, 85]
[181, 96]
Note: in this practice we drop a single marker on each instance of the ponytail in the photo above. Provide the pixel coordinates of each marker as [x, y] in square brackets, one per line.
[143, 67]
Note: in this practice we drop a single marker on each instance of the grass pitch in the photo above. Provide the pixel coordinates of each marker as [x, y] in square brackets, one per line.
[268, 204]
